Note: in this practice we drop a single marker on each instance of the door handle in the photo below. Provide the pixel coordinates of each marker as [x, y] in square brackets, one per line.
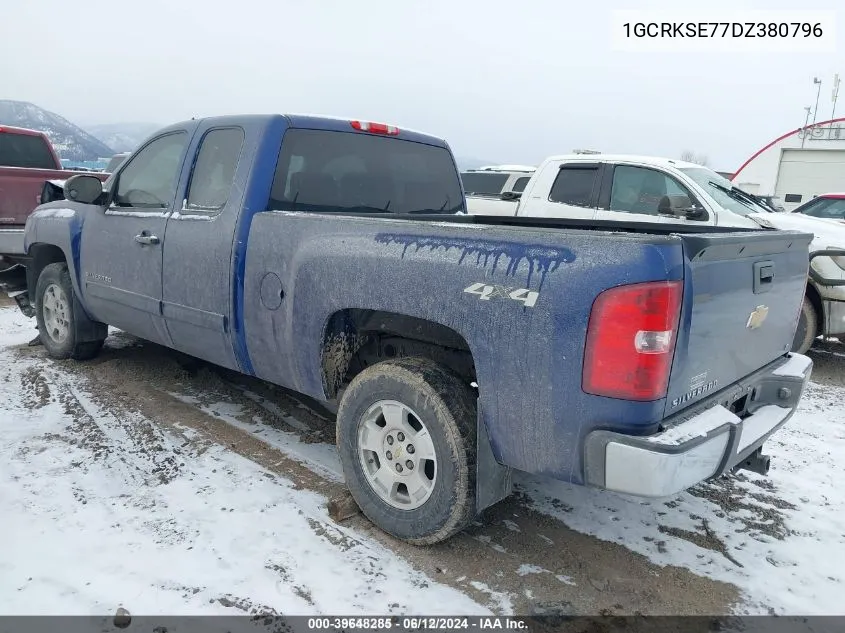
[764, 276]
[145, 238]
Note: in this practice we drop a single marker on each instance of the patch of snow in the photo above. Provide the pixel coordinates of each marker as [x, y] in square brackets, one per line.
[524, 570]
[102, 508]
[795, 366]
[54, 213]
[178, 215]
[137, 214]
[319, 457]
[780, 538]
[764, 420]
[699, 426]
[513, 527]
[501, 601]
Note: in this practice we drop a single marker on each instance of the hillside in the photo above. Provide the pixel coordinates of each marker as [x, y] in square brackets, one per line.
[71, 141]
[466, 162]
[123, 137]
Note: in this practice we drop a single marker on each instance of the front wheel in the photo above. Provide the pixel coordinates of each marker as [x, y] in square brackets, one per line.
[406, 438]
[808, 328]
[55, 315]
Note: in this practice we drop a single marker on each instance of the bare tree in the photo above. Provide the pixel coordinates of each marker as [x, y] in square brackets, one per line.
[691, 157]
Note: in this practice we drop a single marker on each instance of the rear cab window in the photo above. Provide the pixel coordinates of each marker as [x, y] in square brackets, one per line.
[25, 150]
[327, 171]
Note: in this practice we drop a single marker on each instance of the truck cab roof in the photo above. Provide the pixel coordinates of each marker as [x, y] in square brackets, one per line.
[654, 161]
[20, 130]
[315, 122]
[511, 168]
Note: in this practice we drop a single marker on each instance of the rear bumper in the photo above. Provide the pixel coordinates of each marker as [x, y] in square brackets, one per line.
[700, 446]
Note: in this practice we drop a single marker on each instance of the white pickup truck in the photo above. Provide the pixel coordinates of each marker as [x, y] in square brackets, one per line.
[647, 189]
[494, 181]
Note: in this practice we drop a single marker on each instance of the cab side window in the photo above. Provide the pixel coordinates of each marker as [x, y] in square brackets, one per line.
[149, 179]
[639, 189]
[214, 170]
[520, 184]
[574, 185]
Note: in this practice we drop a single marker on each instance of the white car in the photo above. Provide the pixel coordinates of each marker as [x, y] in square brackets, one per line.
[651, 189]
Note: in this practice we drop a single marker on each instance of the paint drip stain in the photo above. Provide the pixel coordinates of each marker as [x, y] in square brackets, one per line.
[541, 259]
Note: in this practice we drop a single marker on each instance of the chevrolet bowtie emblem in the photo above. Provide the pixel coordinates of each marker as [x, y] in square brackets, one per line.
[756, 318]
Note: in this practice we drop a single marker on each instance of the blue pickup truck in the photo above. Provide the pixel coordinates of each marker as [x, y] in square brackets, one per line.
[335, 257]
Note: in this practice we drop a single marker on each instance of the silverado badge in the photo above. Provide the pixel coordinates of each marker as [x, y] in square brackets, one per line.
[756, 318]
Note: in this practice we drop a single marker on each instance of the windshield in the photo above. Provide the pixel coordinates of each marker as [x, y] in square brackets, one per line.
[483, 184]
[833, 208]
[723, 191]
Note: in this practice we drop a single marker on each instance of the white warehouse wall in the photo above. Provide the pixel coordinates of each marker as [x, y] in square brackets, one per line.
[761, 172]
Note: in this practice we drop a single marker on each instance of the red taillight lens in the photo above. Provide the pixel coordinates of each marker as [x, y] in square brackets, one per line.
[631, 341]
[375, 128]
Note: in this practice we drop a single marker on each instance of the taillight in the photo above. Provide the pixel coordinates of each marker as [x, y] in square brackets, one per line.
[375, 128]
[631, 341]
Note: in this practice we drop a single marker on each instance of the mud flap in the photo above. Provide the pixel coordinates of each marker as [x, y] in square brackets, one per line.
[13, 283]
[13, 278]
[493, 482]
[87, 330]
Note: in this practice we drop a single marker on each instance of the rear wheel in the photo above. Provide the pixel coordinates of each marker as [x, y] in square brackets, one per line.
[406, 438]
[808, 328]
[55, 315]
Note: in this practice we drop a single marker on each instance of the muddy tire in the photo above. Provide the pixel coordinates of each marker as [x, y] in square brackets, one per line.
[808, 328]
[55, 315]
[406, 438]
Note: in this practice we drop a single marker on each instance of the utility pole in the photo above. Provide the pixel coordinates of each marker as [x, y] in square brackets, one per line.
[834, 95]
[804, 131]
[818, 81]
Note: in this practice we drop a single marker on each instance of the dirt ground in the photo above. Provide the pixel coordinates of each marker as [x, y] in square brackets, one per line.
[588, 575]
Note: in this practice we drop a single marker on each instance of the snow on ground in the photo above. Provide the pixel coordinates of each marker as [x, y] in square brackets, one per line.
[99, 512]
[321, 458]
[780, 538]
[187, 528]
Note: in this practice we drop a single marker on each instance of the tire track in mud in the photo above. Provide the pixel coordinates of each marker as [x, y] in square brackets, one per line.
[517, 558]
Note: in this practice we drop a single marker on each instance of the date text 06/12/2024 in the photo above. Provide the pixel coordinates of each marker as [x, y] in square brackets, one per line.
[416, 623]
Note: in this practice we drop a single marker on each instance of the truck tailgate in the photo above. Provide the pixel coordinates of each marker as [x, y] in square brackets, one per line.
[742, 296]
[20, 190]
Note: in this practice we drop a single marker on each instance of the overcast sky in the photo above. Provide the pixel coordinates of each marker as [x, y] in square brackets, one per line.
[501, 81]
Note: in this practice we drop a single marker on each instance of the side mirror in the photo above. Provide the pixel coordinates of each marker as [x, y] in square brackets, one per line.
[52, 190]
[681, 207]
[83, 188]
[511, 195]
